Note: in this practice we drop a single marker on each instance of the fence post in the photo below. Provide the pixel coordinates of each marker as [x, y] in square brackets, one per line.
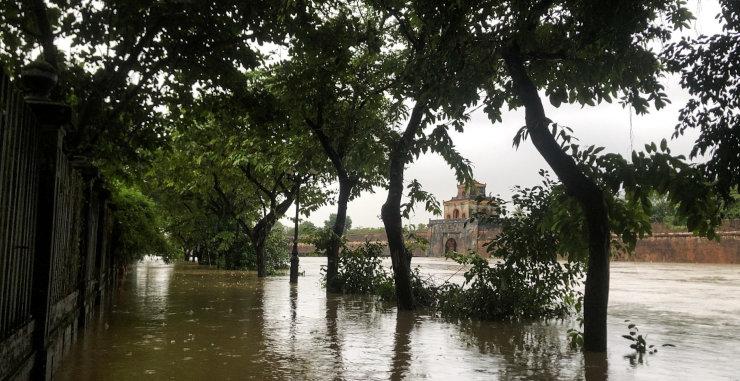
[102, 257]
[51, 116]
[88, 244]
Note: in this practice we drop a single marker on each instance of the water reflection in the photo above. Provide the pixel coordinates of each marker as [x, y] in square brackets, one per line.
[152, 283]
[533, 350]
[190, 322]
[332, 333]
[402, 345]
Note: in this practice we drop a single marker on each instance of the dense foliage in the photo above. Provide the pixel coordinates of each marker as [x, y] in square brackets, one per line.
[709, 71]
[361, 271]
[138, 226]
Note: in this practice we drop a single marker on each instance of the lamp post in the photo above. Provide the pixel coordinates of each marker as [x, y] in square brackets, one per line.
[294, 255]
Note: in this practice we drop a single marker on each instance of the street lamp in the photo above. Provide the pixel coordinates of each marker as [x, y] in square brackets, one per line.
[312, 173]
[294, 254]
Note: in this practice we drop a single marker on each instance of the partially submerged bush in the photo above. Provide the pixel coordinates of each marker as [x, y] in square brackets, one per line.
[528, 282]
[361, 271]
[525, 289]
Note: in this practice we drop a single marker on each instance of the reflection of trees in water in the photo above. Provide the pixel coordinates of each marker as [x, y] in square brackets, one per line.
[402, 345]
[332, 333]
[536, 349]
[256, 331]
[280, 355]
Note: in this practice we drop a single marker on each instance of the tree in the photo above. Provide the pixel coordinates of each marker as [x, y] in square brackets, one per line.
[130, 63]
[334, 83]
[585, 52]
[127, 59]
[710, 74]
[332, 221]
[433, 86]
[138, 228]
[251, 160]
[307, 228]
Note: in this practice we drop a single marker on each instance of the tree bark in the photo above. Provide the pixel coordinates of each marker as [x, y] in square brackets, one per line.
[391, 211]
[589, 196]
[258, 241]
[332, 255]
[346, 183]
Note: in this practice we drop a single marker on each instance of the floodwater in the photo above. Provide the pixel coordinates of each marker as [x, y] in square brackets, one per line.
[189, 322]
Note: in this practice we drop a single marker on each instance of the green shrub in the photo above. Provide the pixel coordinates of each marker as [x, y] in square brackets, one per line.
[528, 281]
[361, 271]
[276, 251]
[525, 289]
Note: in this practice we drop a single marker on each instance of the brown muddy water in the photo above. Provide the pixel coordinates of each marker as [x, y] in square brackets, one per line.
[188, 322]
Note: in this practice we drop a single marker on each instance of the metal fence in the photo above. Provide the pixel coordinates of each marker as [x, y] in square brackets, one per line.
[55, 228]
[18, 199]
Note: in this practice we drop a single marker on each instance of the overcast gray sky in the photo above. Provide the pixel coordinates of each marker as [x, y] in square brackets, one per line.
[501, 167]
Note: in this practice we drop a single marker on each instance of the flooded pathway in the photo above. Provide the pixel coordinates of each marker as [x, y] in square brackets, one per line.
[188, 322]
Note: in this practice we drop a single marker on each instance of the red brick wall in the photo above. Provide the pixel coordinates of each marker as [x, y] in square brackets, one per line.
[666, 245]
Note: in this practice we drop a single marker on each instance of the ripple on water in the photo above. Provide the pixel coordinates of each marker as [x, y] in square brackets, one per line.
[188, 322]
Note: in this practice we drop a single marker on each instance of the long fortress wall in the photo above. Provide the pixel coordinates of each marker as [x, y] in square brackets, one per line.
[665, 244]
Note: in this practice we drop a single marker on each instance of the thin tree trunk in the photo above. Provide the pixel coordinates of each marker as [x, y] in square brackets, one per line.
[589, 196]
[391, 215]
[332, 255]
[391, 211]
[345, 190]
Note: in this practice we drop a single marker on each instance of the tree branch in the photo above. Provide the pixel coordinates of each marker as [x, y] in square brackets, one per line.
[537, 124]
[247, 170]
[334, 157]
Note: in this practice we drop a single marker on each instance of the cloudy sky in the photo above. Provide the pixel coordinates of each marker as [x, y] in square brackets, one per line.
[500, 166]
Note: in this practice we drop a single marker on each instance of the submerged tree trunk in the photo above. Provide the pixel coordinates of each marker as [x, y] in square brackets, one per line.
[332, 255]
[589, 196]
[391, 214]
[391, 211]
[258, 241]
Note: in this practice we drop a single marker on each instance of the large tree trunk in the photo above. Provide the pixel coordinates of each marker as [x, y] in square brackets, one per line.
[332, 255]
[589, 196]
[258, 237]
[596, 297]
[391, 211]
[259, 250]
